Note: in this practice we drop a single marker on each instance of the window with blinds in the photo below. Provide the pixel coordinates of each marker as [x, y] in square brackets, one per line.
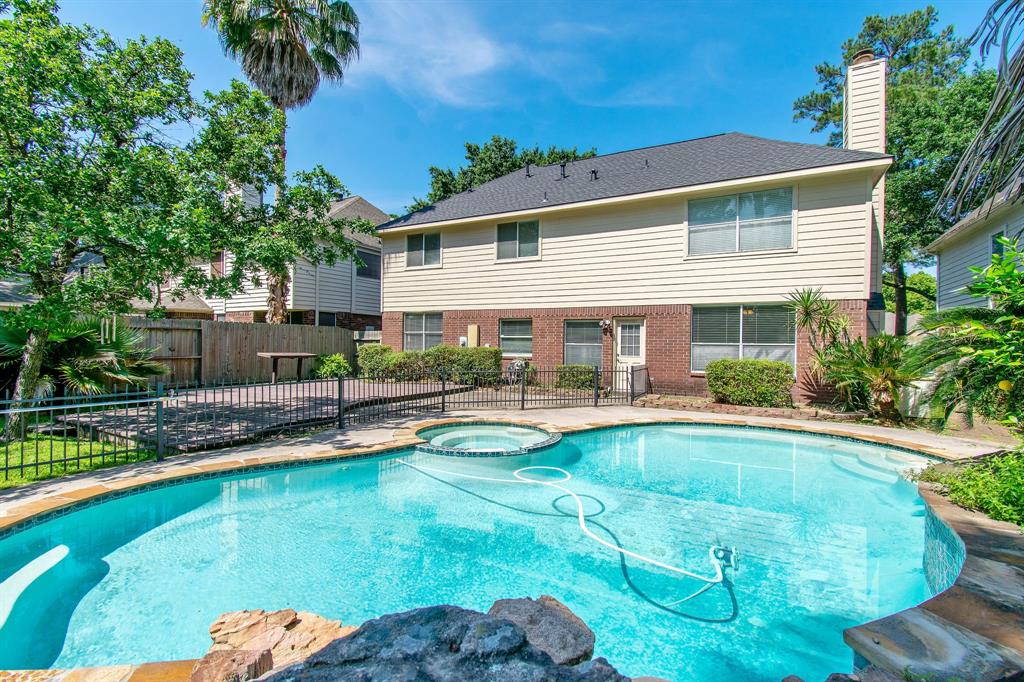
[423, 331]
[518, 240]
[583, 342]
[516, 337]
[766, 332]
[750, 221]
[423, 249]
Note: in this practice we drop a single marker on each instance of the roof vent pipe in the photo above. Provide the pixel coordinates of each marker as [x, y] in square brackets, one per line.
[593, 174]
[563, 170]
[528, 173]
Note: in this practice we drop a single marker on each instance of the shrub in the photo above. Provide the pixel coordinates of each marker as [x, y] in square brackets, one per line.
[574, 376]
[442, 358]
[332, 366]
[994, 486]
[757, 383]
[408, 365]
[374, 359]
[464, 365]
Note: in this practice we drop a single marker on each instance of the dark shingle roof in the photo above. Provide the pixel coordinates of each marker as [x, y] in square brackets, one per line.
[729, 156]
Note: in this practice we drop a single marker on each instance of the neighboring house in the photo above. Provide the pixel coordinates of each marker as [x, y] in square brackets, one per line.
[669, 256]
[14, 293]
[971, 243]
[343, 294]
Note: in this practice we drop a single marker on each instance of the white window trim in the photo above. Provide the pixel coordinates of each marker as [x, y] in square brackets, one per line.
[795, 345]
[794, 248]
[501, 336]
[405, 252]
[423, 333]
[520, 259]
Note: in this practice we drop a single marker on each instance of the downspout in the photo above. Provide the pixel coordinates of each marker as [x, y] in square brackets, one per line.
[316, 295]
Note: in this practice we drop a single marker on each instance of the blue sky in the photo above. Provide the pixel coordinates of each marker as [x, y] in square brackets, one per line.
[615, 76]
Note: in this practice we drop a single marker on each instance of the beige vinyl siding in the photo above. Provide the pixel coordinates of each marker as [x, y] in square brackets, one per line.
[635, 254]
[367, 296]
[974, 249]
[340, 289]
[864, 107]
[250, 298]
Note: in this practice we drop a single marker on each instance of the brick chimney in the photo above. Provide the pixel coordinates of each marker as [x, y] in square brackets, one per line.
[864, 130]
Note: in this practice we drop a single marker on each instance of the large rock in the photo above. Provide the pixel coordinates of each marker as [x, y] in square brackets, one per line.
[247, 644]
[440, 643]
[550, 626]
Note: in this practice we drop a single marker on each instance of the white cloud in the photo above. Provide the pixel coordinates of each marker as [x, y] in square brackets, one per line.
[428, 49]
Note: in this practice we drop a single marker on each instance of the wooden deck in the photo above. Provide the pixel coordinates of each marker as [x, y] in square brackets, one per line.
[212, 417]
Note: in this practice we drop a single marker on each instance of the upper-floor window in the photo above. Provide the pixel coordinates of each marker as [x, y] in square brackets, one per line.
[518, 240]
[423, 249]
[516, 337]
[423, 331]
[371, 264]
[997, 246]
[749, 221]
[217, 264]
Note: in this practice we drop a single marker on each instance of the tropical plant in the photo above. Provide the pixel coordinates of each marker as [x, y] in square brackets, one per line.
[89, 355]
[994, 161]
[977, 352]
[994, 485]
[871, 373]
[286, 47]
[820, 318]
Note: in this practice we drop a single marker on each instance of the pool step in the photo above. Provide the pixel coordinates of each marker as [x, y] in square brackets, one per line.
[19, 581]
[865, 469]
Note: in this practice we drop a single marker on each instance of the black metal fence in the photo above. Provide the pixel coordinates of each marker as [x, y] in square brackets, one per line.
[54, 436]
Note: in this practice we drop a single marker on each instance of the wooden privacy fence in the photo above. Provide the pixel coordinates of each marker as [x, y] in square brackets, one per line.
[203, 351]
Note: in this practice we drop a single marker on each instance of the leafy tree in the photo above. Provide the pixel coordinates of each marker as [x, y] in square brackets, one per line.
[933, 111]
[495, 158]
[920, 294]
[89, 169]
[286, 48]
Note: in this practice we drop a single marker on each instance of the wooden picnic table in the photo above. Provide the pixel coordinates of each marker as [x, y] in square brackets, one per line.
[275, 356]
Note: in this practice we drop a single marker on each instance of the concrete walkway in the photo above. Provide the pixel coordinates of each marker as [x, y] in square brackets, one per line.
[333, 442]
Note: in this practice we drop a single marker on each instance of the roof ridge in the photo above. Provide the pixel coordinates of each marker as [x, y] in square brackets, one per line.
[635, 149]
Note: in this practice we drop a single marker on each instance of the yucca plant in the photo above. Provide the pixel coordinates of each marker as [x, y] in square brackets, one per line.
[86, 356]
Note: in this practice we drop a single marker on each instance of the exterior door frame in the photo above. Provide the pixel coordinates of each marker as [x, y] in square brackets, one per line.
[621, 362]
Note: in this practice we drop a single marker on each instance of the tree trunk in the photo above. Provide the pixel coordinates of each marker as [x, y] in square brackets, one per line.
[28, 380]
[279, 283]
[899, 290]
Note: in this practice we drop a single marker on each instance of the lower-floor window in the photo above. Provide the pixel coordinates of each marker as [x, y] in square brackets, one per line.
[764, 332]
[583, 342]
[516, 337]
[423, 330]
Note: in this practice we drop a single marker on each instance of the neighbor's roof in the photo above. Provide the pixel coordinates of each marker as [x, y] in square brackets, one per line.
[730, 156]
[14, 292]
[187, 303]
[994, 207]
[358, 207]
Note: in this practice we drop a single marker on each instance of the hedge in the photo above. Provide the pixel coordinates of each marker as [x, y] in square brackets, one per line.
[757, 383]
[332, 366]
[574, 376]
[462, 365]
[373, 359]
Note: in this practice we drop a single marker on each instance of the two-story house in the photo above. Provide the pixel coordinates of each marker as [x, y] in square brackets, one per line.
[343, 294]
[669, 256]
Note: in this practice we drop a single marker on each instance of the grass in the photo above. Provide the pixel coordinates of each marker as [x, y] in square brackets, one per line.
[994, 486]
[38, 458]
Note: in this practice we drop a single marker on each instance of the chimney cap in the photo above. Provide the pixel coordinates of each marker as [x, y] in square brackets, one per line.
[862, 57]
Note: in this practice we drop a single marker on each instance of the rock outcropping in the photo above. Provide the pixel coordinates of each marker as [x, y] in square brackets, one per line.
[440, 643]
[550, 626]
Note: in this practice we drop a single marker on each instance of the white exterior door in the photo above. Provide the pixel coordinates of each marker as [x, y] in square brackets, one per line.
[630, 342]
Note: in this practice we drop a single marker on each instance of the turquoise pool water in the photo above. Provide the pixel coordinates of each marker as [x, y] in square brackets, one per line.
[826, 532]
[483, 436]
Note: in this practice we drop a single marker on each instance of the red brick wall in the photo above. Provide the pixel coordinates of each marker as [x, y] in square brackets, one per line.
[667, 339]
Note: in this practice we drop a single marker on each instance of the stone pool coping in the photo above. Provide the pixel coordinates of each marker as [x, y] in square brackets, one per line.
[977, 625]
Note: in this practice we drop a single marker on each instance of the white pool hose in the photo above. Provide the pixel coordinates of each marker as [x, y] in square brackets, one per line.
[716, 554]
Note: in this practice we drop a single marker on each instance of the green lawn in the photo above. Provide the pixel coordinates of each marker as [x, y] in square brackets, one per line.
[40, 457]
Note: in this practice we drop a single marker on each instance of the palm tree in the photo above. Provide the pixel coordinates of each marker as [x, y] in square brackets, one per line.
[994, 159]
[286, 48]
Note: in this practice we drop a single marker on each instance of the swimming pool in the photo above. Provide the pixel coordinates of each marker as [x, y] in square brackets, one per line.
[827, 534]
